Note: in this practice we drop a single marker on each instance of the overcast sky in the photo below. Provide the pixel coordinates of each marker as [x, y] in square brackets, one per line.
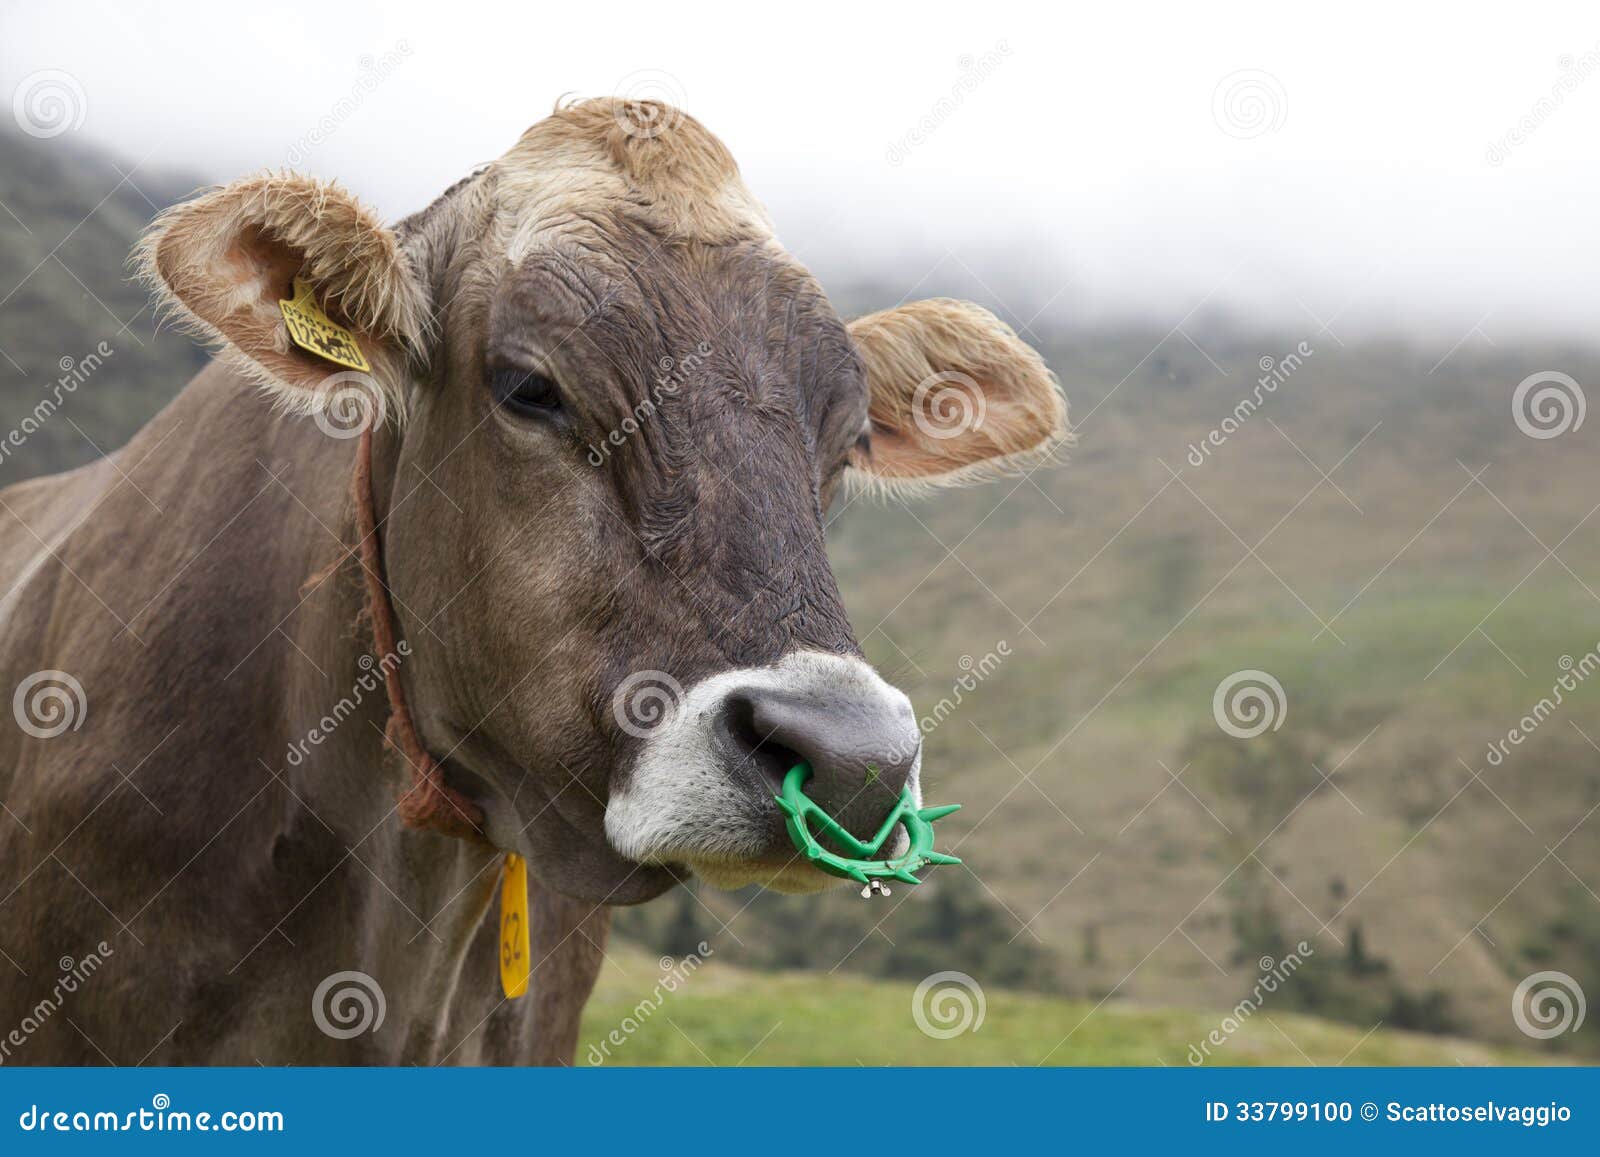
[1373, 166]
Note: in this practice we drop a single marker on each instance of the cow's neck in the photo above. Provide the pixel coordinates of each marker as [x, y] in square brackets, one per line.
[418, 897]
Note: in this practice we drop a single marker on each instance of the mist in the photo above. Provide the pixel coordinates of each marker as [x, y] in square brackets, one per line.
[1369, 170]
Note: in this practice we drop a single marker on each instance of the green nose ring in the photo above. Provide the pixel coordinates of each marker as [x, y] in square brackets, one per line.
[860, 865]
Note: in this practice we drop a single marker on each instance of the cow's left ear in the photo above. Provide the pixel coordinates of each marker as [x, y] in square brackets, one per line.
[955, 396]
[225, 260]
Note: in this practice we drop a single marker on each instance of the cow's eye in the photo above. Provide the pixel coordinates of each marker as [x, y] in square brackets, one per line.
[526, 392]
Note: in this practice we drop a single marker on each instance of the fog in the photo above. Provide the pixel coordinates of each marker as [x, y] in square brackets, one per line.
[1363, 169]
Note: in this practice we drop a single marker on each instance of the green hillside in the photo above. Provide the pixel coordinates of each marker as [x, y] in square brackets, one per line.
[724, 1016]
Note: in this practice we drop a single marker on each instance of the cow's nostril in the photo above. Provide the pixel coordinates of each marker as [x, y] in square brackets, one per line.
[862, 746]
[752, 747]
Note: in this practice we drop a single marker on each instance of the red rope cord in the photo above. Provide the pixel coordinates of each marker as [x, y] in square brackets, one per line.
[429, 804]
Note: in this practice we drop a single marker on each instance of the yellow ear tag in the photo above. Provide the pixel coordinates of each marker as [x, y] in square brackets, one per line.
[317, 333]
[514, 950]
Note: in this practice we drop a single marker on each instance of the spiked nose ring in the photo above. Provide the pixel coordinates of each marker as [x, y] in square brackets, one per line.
[805, 818]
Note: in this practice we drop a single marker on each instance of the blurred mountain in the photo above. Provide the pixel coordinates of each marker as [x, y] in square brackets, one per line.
[69, 215]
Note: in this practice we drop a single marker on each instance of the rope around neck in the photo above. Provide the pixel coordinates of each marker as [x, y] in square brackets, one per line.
[429, 804]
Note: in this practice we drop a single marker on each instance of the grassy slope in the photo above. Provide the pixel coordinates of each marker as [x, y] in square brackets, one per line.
[724, 1016]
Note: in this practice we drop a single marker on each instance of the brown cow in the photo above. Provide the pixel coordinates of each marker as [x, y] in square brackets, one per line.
[610, 412]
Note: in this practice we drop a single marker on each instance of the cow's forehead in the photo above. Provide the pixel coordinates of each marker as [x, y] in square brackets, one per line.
[636, 162]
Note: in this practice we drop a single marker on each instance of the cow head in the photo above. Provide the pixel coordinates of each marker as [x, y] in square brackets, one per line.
[615, 411]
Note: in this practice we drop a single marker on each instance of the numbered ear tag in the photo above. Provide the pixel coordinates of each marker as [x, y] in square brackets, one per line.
[514, 948]
[317, 333]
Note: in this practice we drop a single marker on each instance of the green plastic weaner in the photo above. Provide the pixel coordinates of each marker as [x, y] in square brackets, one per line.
[860, 865]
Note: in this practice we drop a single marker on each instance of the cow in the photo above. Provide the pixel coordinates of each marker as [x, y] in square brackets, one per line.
[601, 414]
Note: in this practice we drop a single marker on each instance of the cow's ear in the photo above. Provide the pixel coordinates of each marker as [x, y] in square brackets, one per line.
[955, 396]
[225, 260]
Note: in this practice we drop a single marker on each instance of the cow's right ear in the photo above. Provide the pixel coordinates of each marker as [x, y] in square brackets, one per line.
[225, 260]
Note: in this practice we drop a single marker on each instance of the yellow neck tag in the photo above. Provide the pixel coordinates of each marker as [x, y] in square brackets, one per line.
[317, 333]
[514, 948]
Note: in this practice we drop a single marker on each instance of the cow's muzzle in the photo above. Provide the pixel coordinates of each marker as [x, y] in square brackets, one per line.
[701, 790]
